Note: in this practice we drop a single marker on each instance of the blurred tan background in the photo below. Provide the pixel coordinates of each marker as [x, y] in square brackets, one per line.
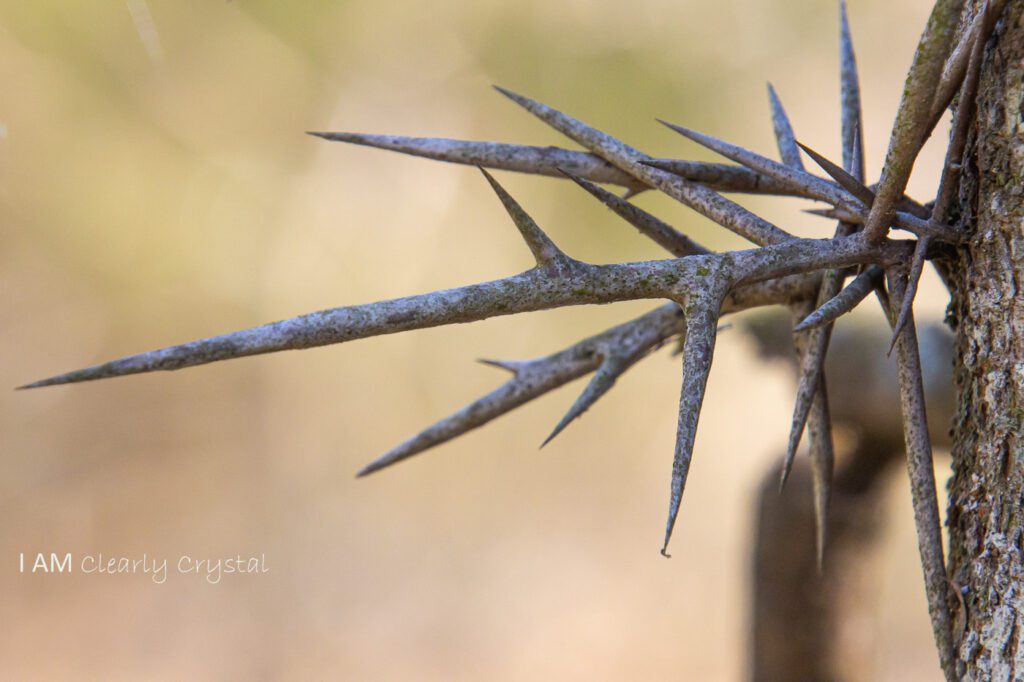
[156, 186]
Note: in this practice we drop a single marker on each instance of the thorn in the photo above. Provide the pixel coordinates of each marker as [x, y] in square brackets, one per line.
[174, 357]
[723, 177]
[819, 426]
[40, 384]
[534, 378]
[510, 395]
[496, 155]
[660, 232]
[367, 470]
[829, 213]
[928, 228]
[612, 367]
[843, 302]
[845, 180]
[514, 96]
[813, 350]
[543, 249]
[806, 389]
[911, 127]
[907, 305]
[922, 482]
[799, 181]
[705, 201]
[513, 366]
[958, 65]
[698, 349]
[852, 126]
[857, 164]
[784, 136]
[904, 220]
[961, 124]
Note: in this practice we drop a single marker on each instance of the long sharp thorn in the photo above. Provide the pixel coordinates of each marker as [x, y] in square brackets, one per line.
[547, 160]
[803, 183]
[815, 343]
[961, 123]
[705, 201]
[958, 64]
[698, 349]
[526, 292]
[819, 426]
[513, 366]
[506, 398]
[725, 177]
[819, 429]
[519, 293]
[928, 228]
[784, 136]
[912, 118]
[632, 341]
[533, 378]
[543, 249]
[856, 168]
[603, 380]
[953, 162]
[904, 220]
[812, 360]
[802, 408]
[843, 302]
[818, 419]
[495, 155]
[830, 213]
[954, 70]
[850, 106]
[906, 306]
[845, 180]
[650, 226]
[950, 172]
[922, 482]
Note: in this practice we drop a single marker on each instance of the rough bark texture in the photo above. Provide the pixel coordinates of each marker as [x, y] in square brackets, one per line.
[986, 519]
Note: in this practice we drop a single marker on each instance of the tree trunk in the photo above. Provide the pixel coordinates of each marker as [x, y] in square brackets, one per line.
[986, 520]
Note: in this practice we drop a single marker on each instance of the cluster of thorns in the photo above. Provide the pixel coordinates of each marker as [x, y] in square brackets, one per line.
[807, 275]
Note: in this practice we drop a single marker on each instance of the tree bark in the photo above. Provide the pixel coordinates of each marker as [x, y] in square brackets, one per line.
[986, 520]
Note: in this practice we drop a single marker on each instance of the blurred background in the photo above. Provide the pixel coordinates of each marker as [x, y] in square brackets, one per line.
[156, 186]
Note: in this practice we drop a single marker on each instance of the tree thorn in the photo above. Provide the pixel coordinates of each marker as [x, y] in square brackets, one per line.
[650, 226]
[784, 135]
[543, 249]
[611, 368]
[841, 176]
[513, 366]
